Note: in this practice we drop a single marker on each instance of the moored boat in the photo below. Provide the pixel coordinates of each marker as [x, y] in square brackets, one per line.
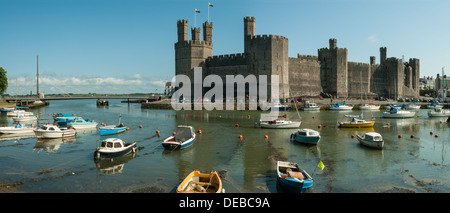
[197, 182]
[80, 123]
[306, 136]
[22, 118]
[53, 131]
[184, 137]
[310, 107]
[280, 107]
[412, 106]
[16, 129]
[292, 178]
[112, 129]
[397, 113]
[438, 112]
[434, 105]
[340, 106]
[369, 106]
[15, 113]
[356, 123]
[114, 147]
[371, 139]
[279, 124]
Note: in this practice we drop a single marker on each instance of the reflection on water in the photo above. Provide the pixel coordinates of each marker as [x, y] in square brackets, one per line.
[416, 161]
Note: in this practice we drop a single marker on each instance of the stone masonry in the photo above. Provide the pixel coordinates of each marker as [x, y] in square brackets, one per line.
[328, 74]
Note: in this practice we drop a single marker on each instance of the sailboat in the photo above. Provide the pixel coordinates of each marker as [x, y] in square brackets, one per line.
[280, 124]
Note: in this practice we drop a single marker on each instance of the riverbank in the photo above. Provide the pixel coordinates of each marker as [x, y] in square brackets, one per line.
[324, 103]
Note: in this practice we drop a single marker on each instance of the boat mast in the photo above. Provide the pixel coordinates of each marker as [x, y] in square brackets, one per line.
[37, 76]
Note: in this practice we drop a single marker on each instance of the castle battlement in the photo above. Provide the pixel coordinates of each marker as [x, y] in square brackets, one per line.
[227, 60]
[267, 37]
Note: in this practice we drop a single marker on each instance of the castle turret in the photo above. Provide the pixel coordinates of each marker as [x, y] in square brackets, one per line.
[207, 31]
[383, 53]
[195, 32]
[249, 31]
[334, 69]
[182, 27]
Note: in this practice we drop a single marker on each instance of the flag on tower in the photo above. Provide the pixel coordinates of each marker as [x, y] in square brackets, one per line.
[197, 11]
[211, 5]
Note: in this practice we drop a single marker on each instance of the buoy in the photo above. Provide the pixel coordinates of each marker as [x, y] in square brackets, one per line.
[352, 136]
[49, 114]
[436, 135]
[388, 124]
[399, 136]
[140, 126]
[128, 129]
[314, 117]
[157, 133]
[236, 125]
[266, 137]
[240, 137]
[431, 132]
[412, 136]
[320, 126]
[200, 131]
[248, 116]
[185, 115]
[174, 133]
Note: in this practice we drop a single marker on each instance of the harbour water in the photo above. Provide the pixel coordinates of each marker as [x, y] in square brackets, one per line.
[407, 164]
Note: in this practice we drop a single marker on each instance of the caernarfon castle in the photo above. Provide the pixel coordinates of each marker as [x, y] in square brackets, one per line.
[328, 74]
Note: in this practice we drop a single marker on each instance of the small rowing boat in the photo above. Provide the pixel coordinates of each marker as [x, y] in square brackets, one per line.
[197, 182]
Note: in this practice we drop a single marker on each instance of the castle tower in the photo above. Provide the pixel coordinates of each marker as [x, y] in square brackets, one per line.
[191, 53]
[383, 54]
[249, 31]
[195, 33]
[182, 27]
[334, 70]
[415, 73]
[207, 32]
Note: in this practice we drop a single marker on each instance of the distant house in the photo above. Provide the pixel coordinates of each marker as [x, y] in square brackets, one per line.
[168, 89]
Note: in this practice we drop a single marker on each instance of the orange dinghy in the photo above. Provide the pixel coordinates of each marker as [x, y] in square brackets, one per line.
[197, 182]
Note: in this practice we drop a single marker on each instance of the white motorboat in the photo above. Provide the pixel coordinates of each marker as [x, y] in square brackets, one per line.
[311, 107]
[439, 112]
[16, 129]
[340, 106]
[371, 139]
[412, 107]
[434, 105]
[279, 124]
[396, 113]
[15, 113]
[114, 147]
[23, 118]
[53, 131]
[368, 106]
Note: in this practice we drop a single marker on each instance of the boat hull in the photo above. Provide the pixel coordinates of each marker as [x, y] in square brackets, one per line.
[170, 144]
[54, 134]
[371, 144]
[310, 108]
[83, 126]
[398, 115]
[341, 108]
[111, 130]
[290, 125]
[305, 139]
[369, 107]
[99, 153]
[13, 130]
[197, 182]
[356, 125]
[291, 183]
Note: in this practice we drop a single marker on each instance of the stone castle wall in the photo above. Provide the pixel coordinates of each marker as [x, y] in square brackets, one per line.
[329, 72]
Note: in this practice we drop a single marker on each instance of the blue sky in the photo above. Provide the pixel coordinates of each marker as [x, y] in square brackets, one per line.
[126, 46]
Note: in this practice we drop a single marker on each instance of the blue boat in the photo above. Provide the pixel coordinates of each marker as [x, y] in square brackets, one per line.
[183, 138]
[80, 123]
[292, 178]
[112, 129]
[306, 136]
[58, 115]
[114, 147]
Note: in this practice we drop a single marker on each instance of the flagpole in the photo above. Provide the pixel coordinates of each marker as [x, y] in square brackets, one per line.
[208, 13]
[195, 19]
